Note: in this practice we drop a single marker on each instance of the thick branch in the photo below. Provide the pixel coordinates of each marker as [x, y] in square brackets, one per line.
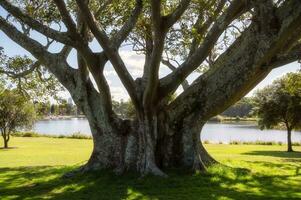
[156, 15]
[158, 36]
[128, 26]
[201, 29]
[66, 17]
[110, 51]
[66, 51]
[167, 63]
[34, 24]
[172, 18]
[172, 81]
[233, 77]
[22, 74]
[293, 55]
[55, 63]
[27, 43]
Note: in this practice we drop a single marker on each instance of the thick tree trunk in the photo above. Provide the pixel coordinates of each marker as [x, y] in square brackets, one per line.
[130, 147]
[147, 146]
[5, 143]
[6, 138]
[148, 135]
[208, 160]
[289, 140]
[113, 147]
[193, 150]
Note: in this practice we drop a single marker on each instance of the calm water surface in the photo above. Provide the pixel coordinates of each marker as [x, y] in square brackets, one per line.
[214, 132]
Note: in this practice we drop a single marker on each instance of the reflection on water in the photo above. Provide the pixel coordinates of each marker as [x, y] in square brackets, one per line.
[243, 131]
[215, 132]
[62, 126]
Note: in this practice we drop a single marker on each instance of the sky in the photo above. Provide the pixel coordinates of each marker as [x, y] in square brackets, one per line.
[133, 61]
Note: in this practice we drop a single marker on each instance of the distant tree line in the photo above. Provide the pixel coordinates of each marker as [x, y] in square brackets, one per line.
[242, 108]
[62, 108]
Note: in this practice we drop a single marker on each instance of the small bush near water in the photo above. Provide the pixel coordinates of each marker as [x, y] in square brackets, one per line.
[79, 135]
[25, 134]
[76, 135]
[261, 143]
[237, 142]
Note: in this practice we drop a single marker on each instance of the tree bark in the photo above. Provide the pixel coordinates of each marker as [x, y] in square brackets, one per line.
[208, 160]
[6, 138]
[194, 151]
[289, 140]
[5, 143]
[147, 145]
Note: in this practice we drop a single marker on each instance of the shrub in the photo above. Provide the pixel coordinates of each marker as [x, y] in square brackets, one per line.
[79, 135]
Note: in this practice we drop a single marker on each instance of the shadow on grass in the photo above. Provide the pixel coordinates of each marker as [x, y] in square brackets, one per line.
[8, 148]
[218, 182]
[281, 154]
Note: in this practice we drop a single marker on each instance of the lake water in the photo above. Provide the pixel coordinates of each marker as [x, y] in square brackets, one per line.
[213, 132]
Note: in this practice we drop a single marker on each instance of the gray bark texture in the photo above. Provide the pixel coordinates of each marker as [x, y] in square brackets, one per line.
[163, 134]
[289, 141]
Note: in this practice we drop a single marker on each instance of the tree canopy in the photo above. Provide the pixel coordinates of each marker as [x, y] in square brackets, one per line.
[15, 112]
[280, 103]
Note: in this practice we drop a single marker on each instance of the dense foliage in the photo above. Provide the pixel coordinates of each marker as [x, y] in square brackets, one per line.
[242, 108]
[15, 112]
[280, 103]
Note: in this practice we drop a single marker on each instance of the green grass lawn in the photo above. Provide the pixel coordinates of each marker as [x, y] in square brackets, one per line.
[33, 170]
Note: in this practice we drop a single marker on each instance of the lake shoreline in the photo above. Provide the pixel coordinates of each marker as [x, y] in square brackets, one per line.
[225, 132]
[87, 137]
[62, 117]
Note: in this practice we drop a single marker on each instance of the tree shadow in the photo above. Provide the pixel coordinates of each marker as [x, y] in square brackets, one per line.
[8, 148]
[218, 182]
[280, 154]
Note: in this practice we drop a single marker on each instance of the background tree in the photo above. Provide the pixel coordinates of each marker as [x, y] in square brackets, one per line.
[123, 109]
[42, 109]
[234, 44]
[242, 108]
[31, 79]
[281, 103]
[65, 108]
[15, 112]
[54, 109]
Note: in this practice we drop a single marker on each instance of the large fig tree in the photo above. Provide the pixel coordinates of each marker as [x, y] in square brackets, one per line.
[233, 44]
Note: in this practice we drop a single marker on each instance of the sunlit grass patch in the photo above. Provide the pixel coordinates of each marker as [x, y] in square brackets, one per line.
[34, 170]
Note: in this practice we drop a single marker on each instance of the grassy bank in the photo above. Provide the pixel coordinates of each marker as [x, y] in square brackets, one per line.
[34, 168]
[76, 135]
[220, 118]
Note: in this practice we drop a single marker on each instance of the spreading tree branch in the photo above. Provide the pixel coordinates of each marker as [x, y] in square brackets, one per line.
[212, 92]
[34, 24]
[66, 17]
[161, 25]
[110, 51]
[128, 26]
[201, 29]
[173, 80]
[293, 55]
[167, 63]
[55, 64]
[12, 74]
[171, 19]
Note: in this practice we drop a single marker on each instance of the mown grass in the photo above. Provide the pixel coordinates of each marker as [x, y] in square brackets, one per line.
[33, 170]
